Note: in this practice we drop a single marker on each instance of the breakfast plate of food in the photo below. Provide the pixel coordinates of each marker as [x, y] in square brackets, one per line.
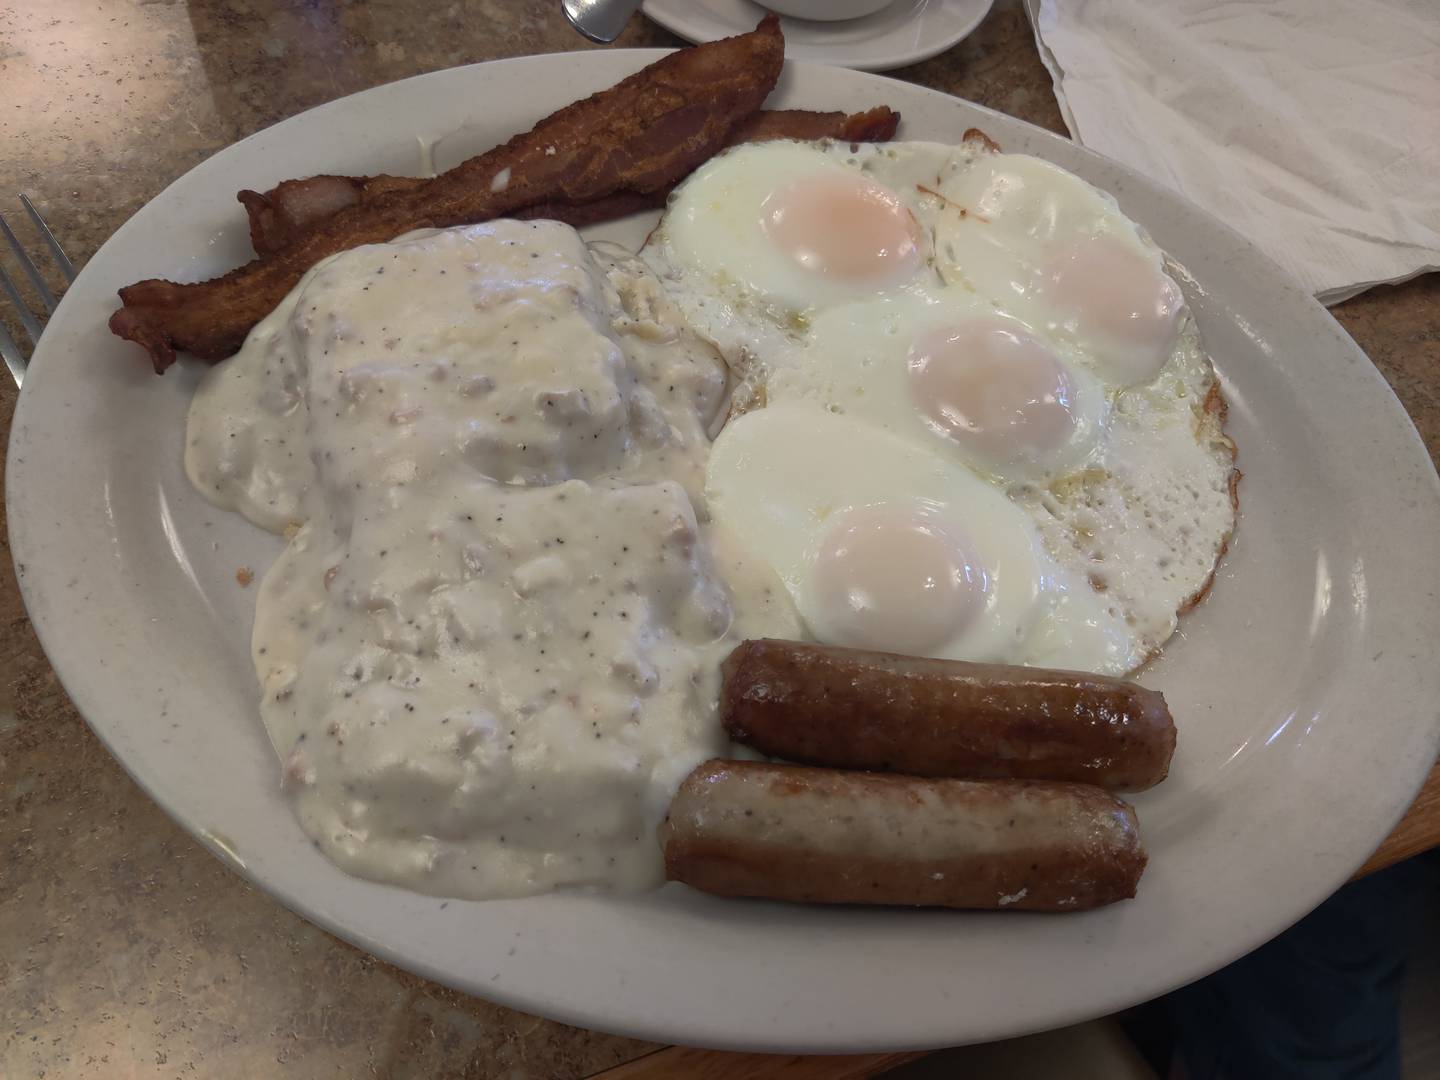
[736, 552]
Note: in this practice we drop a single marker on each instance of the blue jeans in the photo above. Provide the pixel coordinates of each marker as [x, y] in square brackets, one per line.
[1319, 1002]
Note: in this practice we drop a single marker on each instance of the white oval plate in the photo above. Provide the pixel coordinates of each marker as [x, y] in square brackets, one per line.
[903, 32]
[1305, 688]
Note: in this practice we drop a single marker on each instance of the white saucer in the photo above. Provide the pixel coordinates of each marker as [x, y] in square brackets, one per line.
[906, 32]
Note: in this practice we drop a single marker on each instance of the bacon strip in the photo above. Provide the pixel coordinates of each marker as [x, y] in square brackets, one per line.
[280, 215]
[640, 136]
[873, 125]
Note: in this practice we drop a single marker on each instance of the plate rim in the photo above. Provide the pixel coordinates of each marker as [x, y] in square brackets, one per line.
[591, 1016]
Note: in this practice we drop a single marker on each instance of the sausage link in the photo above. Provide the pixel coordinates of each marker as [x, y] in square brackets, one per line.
[787, 832]
[851, 709]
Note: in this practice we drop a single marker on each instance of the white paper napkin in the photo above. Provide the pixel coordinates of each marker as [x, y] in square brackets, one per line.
[1311, 126]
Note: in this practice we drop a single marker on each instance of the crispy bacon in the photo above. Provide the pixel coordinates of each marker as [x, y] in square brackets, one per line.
[873, 125]
[638, 137]
[279, 215]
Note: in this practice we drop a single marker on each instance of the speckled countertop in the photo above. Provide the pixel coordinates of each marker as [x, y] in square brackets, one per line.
[125, 948]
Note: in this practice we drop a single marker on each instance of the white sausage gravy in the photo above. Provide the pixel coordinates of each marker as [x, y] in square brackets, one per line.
[490, 652]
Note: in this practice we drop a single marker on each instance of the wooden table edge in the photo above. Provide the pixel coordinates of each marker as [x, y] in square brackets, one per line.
[1418, 831]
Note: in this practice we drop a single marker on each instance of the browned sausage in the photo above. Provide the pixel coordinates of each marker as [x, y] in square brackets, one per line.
[786, 832]
[850, 709]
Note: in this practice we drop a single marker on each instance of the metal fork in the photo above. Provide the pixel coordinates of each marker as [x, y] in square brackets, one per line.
[16, 360]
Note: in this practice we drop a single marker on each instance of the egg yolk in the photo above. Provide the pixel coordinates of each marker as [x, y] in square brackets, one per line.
[1122, 301]
[842, 226]
[899, 578]
[1001, 394]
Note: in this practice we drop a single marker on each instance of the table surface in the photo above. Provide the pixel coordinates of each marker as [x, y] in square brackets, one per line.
[125, 948]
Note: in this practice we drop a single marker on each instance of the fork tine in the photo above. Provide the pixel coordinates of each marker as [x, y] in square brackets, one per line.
[14, 360]
[26, 319]
[66, 267]
[46, 296]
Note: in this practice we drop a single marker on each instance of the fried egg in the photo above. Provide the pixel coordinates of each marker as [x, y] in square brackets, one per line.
[968, 382]
[1064, 259]
[885, 546]
[994, 315]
